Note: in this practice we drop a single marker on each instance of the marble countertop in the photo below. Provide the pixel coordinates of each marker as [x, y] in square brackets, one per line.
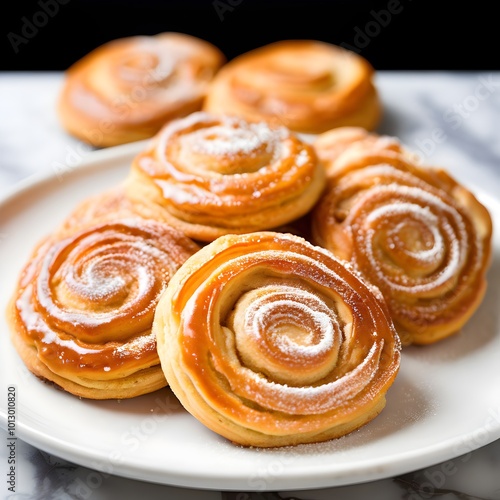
[451, 119]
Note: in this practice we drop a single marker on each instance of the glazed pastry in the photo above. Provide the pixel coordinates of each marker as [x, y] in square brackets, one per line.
[270, 341]
[82, 312]
[308, 86]
[216, 175]
[127, 89]
[417, 234]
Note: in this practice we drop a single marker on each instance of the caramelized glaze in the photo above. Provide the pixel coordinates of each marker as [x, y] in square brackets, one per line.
[86, 301]
[275, 336]
[417, 234]
[219, 175]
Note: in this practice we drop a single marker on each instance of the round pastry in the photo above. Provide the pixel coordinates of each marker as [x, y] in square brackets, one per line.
[417, 234]
[216, 175]
[309, 86]
[82, 312]
[270, 341]
[127, 89]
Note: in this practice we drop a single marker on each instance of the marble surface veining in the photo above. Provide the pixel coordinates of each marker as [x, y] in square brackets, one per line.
[450, 119]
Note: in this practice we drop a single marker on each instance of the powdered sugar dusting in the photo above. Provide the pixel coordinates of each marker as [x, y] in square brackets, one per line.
[100, 276]
[92, 299]
[422, 213]
[302, 309]
[302, 158]
[441, 219]
[312, 400]
[205, 133]
[136, 345]
[34, 322]
[287, 335]
[221, 140]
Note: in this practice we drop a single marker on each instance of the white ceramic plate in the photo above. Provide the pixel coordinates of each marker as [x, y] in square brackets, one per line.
[445, 401]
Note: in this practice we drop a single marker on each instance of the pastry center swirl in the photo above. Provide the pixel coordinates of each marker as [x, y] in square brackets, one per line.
[233, 148]
[144, 68]
[282, 326]
[91, 284]
[415, 246]
[281, 329]
[293, 74]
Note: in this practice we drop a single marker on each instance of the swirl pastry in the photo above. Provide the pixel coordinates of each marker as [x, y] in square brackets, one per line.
[215, 175]
[309, 86]
[270, 341]
[417, 234]
[82, 313]
[127, 89]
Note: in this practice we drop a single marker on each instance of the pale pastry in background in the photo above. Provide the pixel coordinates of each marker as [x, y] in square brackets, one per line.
[125, 90]
[307, 85]
[270, 341]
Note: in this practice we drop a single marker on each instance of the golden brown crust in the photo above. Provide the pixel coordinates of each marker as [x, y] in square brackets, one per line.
[270, 341]
[309, 86]
[215, 175]
[107, 206]
[127, 89]
[339, 145]
[82, 312]
[414, 232]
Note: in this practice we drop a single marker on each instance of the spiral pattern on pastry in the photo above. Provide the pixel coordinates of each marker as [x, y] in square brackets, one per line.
[83, 310]
[309, 86]
[418, 235]
[216, 175]
[127, 89]
[270, 341]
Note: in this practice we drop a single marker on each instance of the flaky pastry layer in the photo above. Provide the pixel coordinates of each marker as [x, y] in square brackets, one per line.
[270, 341]
[82, 311]
[413, 231]
[214, 175]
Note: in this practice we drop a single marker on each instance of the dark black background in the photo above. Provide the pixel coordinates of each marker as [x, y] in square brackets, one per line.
[421, 35]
